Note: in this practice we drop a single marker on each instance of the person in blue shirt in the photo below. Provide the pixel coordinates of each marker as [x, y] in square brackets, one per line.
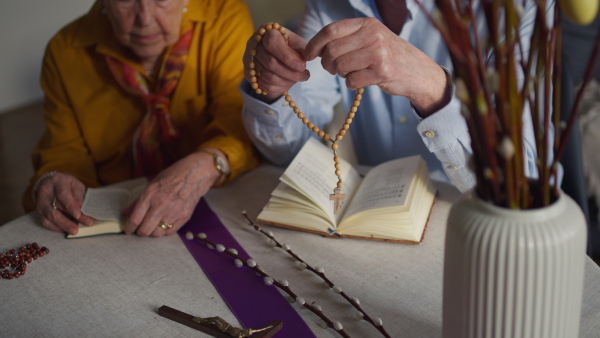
[389, 47]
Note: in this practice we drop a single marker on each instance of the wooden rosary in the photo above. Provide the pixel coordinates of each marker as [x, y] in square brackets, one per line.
[337, 196]
[18, 260]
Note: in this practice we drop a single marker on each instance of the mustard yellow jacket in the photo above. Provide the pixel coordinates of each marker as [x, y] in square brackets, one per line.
[90, 120]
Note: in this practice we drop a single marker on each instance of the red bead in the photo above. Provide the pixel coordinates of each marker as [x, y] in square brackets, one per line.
[10, 276]
[35, 256]
[41, 253]
[29, 260]
[46, 250]
[12, 251]
[1, 255]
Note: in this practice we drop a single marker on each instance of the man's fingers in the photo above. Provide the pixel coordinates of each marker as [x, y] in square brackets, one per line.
[336, 30]
[274, 43]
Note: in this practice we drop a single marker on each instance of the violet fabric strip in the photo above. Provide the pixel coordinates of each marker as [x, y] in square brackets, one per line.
[254, 303]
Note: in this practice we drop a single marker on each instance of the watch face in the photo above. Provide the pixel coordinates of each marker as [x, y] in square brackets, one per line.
[221, 165]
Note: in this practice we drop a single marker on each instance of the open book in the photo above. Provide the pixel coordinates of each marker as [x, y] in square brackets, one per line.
[105, 205]
[391, 203]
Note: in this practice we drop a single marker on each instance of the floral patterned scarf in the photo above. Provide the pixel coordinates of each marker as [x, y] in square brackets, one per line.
[154, 140]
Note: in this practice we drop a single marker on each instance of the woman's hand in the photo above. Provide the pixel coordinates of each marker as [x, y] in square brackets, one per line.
[58, 202]
[365, 52]
[172, 196]
[278, 65]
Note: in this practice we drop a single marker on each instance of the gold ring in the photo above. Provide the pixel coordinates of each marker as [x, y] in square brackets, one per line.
[54, 206]
[165, 226]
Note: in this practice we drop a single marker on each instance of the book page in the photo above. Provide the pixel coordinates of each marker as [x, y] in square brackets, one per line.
[105, 203]
[312, 173]
[386, 185]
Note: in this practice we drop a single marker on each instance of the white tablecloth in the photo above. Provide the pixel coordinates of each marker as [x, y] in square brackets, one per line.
[113, 285]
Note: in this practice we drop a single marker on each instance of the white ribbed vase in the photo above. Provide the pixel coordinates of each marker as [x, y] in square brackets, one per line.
[513, 273]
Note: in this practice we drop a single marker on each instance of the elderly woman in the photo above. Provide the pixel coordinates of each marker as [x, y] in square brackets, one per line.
[142, 88]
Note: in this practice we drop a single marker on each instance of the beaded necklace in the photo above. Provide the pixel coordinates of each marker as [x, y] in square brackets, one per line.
[18, 260]
[337, 195]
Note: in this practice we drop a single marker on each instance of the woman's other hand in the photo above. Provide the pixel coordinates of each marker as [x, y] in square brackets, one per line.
[278, 65]
[58, 202]
[172, 196]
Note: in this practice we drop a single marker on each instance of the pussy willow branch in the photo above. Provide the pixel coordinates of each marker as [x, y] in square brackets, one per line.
[282, 285]
[376, 323]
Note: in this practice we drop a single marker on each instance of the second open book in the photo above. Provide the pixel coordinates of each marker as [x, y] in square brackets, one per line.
[391, 203]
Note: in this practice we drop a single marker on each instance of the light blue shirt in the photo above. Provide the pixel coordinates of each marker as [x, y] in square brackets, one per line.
[385, 127]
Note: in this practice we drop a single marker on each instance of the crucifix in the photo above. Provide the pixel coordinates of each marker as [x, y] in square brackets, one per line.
[337, 197]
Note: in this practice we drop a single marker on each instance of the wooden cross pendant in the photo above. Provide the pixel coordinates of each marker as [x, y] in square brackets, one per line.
[337, 197]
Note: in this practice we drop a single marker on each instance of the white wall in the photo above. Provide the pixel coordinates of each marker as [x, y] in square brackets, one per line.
[27, 25]
[25, 28]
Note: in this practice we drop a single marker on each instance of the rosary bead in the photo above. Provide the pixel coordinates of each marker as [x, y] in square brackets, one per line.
[288, 98]
[258, 38]
[353, 109]
[358, 96]
[338, 137]
[252, 72]
[336, 159]
[348, 120]
[338, 166]
[297, 110]
[321, 133]
[356, 103]
[310, 125]
[254, 86]
[327, 137]
[253, 51]
[342, 132]
[338, 172]
[334, 146]
[305, 120]
[282, 30]
[252, 65]
[300, 115]
[360, 90]
[345, 127]
[316, 129]
[351, 115]
[340, 184]
[262, 31]
[253, 79]
[269, 26]
[292, 104]
[276, 25]
[258, 91]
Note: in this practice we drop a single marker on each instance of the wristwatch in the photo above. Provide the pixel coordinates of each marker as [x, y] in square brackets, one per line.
[221, 164]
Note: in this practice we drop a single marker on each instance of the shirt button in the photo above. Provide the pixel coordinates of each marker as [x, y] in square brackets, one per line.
[402, 119]
[269, 111]
[452, 167]
[429, 134]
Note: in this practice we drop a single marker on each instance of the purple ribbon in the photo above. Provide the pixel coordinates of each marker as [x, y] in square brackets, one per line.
[254, 303]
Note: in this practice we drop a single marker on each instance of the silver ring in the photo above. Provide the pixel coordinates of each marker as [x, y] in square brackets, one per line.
[165, 226]
[54, 204]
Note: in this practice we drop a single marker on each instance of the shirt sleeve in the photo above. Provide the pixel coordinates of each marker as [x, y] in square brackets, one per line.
[274, 128]
[226, 131]
[62, 147]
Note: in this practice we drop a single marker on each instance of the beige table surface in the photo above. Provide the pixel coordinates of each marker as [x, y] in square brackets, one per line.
[111, 286]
